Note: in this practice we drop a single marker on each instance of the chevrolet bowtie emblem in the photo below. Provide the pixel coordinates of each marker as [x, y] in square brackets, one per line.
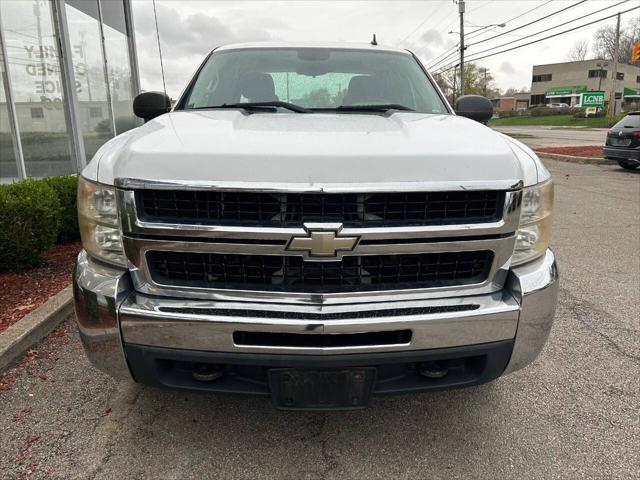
[323, 241]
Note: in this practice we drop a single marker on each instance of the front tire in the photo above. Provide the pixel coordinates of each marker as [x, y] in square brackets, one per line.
[628, 165]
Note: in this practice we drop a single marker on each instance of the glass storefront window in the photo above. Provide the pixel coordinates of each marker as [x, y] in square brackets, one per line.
[94, 80]
[8, 168]
[88, 66]
[34, 66]
[118, 64]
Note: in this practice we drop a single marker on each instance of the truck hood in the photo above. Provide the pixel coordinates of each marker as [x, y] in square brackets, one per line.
[311, 151]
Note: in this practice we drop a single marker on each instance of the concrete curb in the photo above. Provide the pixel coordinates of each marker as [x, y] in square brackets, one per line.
[34, 326]
[574, 159]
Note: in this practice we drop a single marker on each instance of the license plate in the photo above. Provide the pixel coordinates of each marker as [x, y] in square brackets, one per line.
[620, 142]
[293, 389]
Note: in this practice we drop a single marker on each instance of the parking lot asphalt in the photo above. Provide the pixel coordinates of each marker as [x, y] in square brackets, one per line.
[537, 136]
[574, 413]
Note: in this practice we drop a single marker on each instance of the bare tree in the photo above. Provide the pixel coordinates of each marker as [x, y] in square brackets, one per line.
[578, 51]
[477, 81]
[511, 91]
[604, 41]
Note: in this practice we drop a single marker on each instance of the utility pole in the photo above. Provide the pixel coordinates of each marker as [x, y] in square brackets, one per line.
[485, 82]
[461, 12]
[612, 96]
[455, 77]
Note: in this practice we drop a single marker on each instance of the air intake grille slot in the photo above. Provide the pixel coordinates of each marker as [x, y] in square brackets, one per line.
[293, 209]
[293, 274]
[313, 340]
[286, 315]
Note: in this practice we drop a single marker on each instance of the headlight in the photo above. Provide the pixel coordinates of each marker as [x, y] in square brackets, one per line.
[534, 231]
[98, 219]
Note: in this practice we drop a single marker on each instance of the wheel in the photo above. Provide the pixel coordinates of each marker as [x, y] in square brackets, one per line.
[628, 165]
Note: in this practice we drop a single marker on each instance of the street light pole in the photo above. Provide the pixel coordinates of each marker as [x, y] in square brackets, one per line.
[461, 12]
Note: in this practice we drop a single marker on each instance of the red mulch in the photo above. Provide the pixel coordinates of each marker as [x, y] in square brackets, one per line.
[587, 151]
[22, 292]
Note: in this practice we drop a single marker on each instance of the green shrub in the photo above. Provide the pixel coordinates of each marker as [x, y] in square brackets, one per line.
[29, 223]
[542, 111]
[66, 187]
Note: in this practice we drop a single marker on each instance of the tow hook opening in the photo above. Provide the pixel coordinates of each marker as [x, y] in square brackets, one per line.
[434, 368]
[207, 372]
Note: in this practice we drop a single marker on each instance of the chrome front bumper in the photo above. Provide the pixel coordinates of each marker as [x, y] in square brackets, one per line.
[111, 313]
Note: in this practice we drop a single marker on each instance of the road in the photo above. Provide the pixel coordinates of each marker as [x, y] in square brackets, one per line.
[572, 414]
[543, 136]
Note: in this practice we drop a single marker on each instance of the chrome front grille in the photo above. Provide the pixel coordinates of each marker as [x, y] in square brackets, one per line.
[294, 209]
[294, 274]
[195, 242]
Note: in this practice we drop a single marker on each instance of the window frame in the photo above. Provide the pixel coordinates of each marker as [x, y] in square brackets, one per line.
[542, 77]
[39, 111]
[598, 73]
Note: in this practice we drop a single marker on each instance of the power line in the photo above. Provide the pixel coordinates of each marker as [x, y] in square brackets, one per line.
[445, 54]
[530, 23]
[445, 58]
[542, 31]
[552, 28]
[450, 66]
[426, 19]
[479, 6]
[477, 33]
[515, 18]
[525, 13]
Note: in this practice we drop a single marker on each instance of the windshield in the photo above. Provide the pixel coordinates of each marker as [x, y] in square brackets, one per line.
[313, 78]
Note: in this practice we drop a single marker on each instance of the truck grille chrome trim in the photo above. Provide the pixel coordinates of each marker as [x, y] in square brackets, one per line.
[146, 320]
[296, 314]
[294, 274]
[294, 209]
[142, 240]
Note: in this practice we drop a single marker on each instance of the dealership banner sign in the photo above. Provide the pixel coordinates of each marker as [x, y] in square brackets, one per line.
[592, 99]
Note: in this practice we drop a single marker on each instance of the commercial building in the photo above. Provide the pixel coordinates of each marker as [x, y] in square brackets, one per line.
[519, 101]
[69, 75]
[565, 82]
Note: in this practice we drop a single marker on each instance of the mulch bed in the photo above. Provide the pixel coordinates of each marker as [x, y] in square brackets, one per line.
[23, 292]
[586, 151]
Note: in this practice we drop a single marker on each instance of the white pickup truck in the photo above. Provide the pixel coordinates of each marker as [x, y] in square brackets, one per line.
[314, 223]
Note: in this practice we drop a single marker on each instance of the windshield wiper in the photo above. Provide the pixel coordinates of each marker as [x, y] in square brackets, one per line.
[259, 106]
[373, 108]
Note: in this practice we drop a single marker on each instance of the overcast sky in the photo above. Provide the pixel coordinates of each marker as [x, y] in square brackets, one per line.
[190, 29]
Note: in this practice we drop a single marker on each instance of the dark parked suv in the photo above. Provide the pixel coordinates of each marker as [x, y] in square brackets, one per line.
[623, 142]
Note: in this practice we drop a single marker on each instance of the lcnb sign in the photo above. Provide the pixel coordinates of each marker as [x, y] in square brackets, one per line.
[592, 99]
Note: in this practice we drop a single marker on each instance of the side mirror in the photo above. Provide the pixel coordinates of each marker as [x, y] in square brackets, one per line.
[474, 107]
[150, 105]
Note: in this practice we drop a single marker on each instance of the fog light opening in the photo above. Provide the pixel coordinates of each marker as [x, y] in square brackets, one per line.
[434, 369]
[207, 372]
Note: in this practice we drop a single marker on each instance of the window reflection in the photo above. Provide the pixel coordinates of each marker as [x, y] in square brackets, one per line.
[88, 65]
[103, 86]
[8, 168]
[34, 66]
[118, 64]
